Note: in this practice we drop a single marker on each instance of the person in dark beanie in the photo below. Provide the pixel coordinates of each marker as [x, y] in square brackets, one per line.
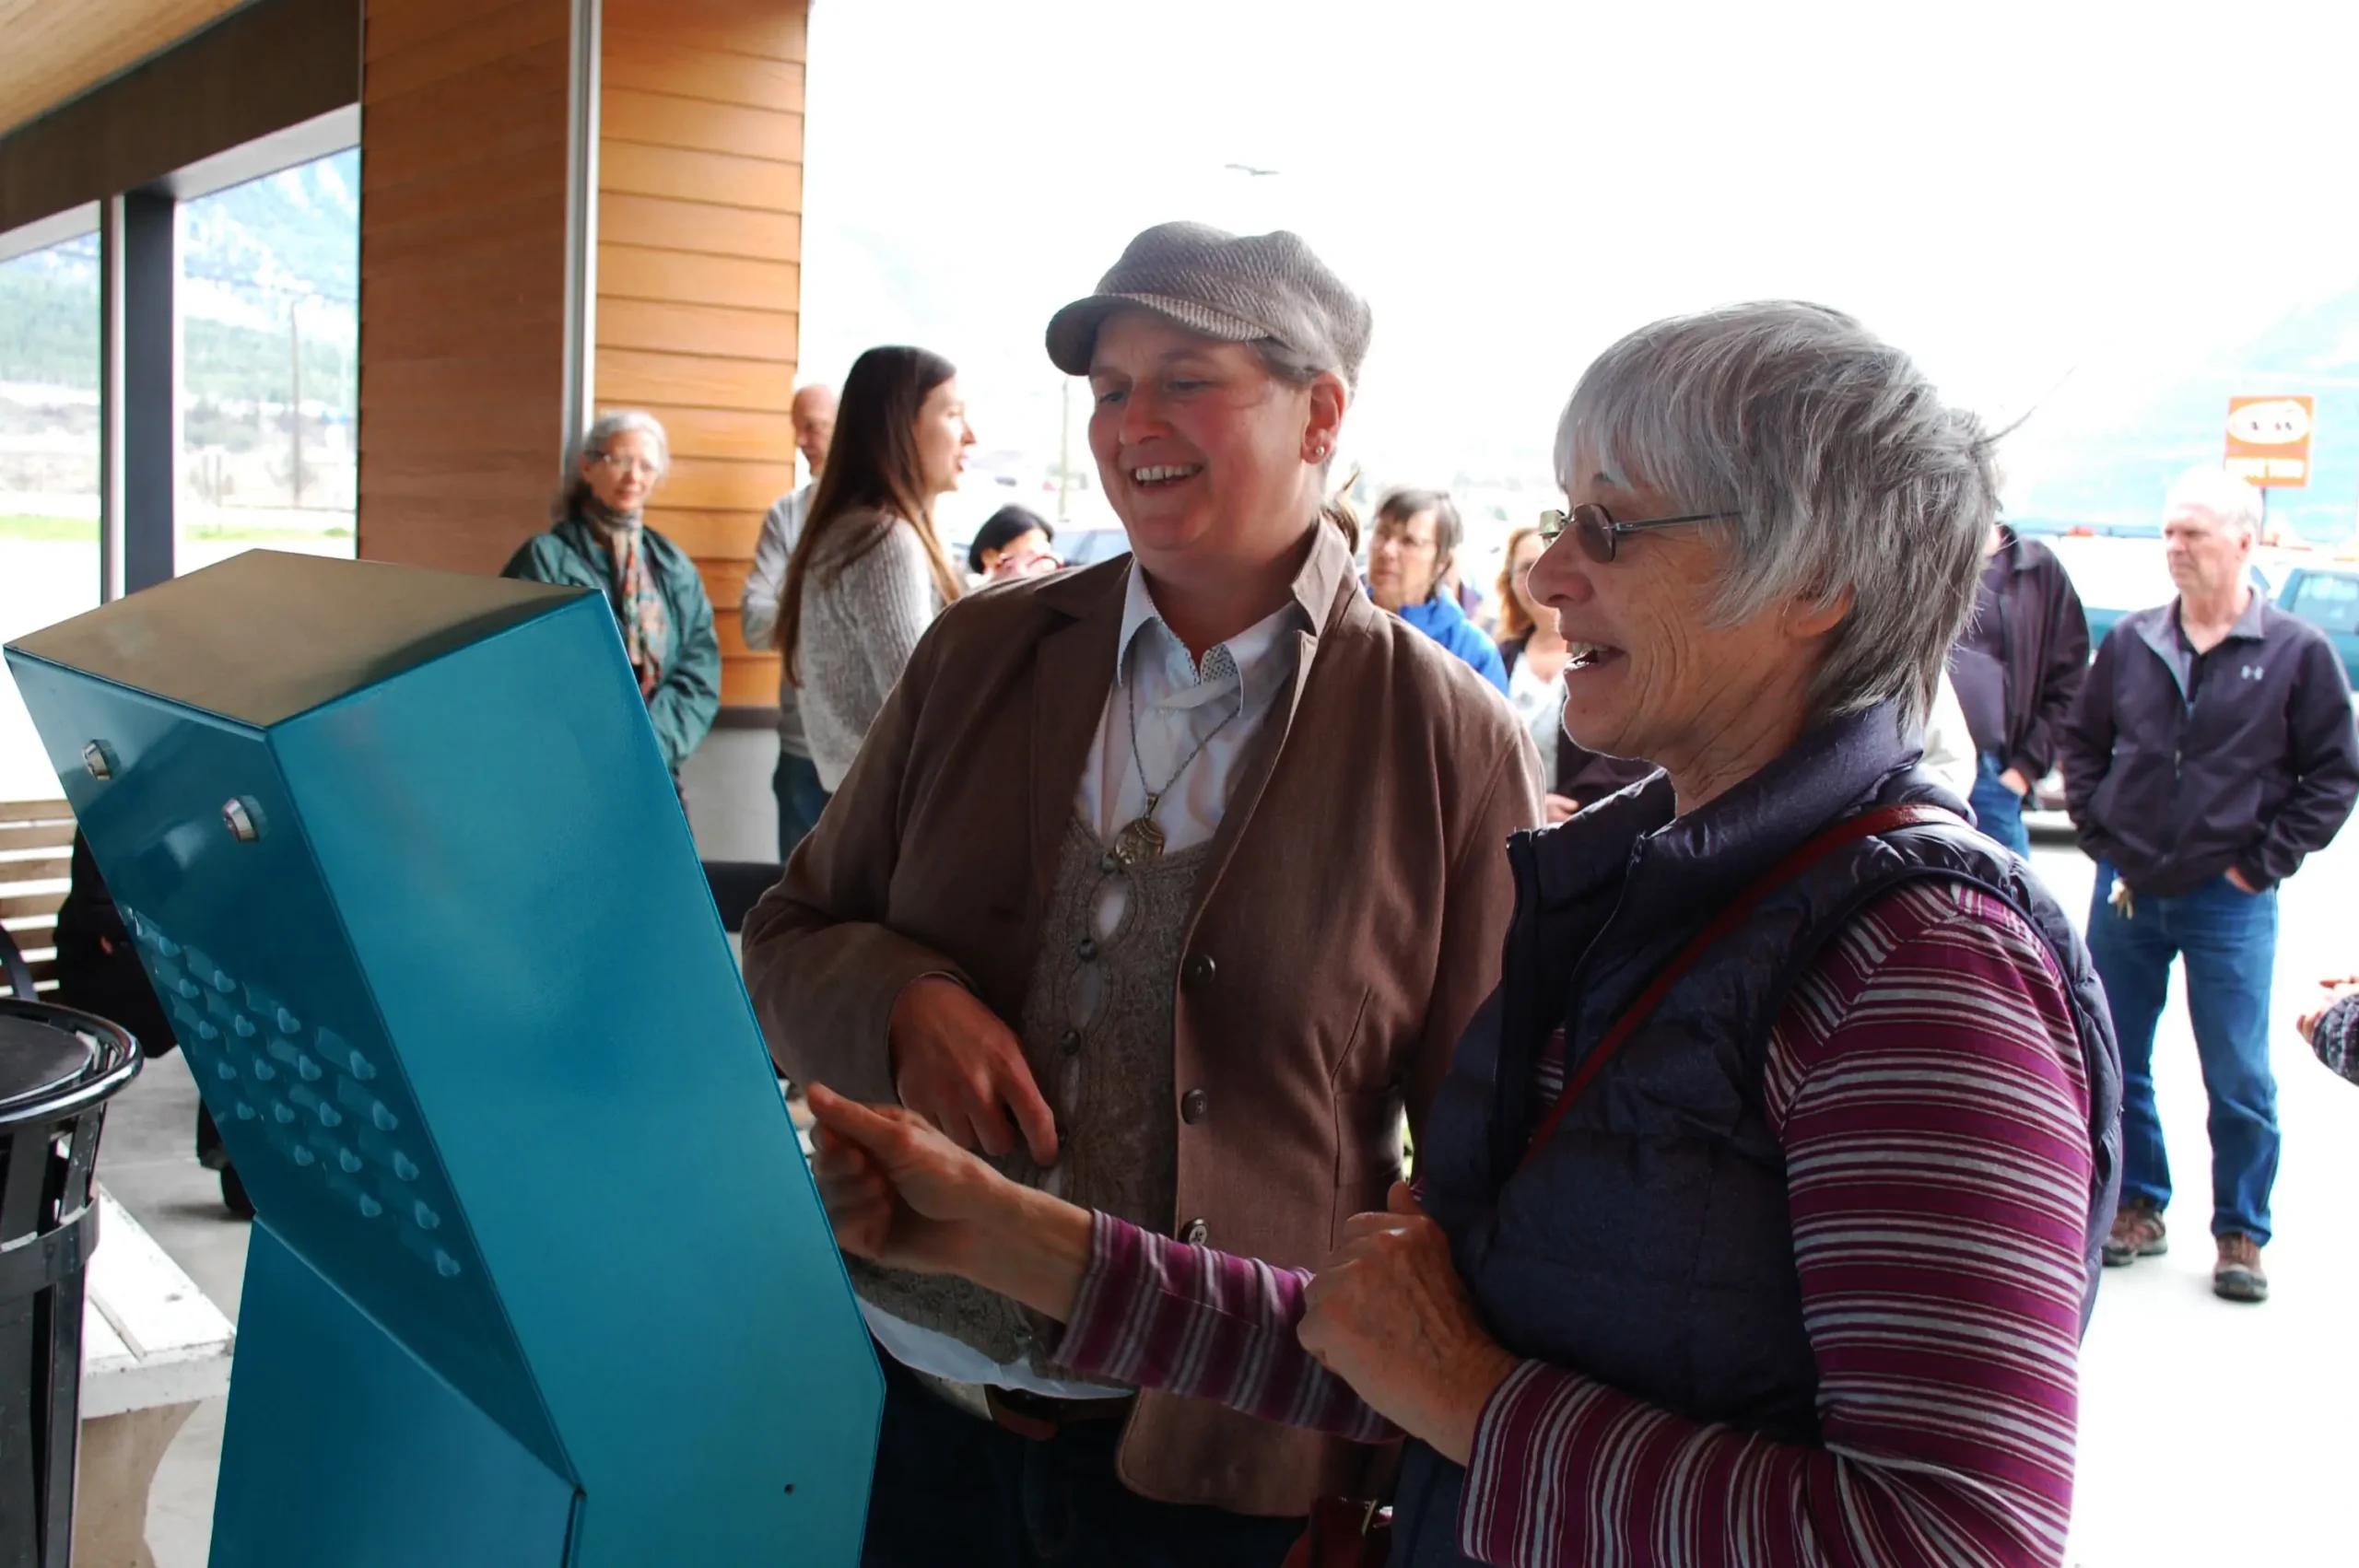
[2210, 751]
[1013, 541]
[2016, 672]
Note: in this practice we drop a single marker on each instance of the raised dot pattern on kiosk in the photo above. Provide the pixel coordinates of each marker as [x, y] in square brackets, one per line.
[315, 1098]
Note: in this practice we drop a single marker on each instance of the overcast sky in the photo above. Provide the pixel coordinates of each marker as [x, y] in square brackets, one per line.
[2022, 196]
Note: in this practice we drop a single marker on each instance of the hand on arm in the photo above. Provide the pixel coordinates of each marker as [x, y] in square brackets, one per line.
[1388, 1314]
[957, 1065]
[899, 1193]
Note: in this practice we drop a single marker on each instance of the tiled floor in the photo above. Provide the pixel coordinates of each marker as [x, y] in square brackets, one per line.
[2210, 1433]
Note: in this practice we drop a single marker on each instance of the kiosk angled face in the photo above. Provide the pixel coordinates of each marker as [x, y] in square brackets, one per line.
[538, 1275]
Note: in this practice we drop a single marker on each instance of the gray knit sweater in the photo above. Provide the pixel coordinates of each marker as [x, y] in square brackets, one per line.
[858, 630]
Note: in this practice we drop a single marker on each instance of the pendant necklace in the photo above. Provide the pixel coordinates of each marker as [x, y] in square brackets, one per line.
[1140, 841]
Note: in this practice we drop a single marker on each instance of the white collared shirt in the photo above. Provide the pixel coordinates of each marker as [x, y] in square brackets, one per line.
[1179, 702]
[1220, 702]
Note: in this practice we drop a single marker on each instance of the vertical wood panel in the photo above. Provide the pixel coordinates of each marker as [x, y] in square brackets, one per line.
[699, 270]
[462, 248]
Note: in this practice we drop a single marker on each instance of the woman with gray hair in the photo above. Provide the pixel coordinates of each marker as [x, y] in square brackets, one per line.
[599, 538]
[1758, 1218]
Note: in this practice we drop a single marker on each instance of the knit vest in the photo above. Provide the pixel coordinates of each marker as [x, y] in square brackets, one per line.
[1096, 1032]
[1648, 1243]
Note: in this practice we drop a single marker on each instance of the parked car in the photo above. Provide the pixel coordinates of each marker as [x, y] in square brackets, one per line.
[1088, 546]
[2328, 597]
[2116, 574]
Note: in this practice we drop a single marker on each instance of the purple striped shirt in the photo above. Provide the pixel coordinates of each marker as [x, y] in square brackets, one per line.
[1925, 1081]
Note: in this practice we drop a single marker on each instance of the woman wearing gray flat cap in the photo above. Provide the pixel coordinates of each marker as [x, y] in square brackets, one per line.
[1168, 883]
[1759, 1216]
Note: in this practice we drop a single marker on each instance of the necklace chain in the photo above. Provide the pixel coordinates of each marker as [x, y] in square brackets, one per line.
[1153, 795]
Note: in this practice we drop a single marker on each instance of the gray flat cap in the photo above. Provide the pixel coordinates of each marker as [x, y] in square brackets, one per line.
[1235, 287]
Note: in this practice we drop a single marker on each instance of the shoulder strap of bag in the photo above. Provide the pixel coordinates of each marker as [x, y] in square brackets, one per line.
[1849, 831]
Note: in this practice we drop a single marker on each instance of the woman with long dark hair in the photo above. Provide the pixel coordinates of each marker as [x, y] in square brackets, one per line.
[870, 574]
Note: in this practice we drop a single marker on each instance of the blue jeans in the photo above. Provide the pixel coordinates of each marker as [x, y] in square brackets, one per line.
[2228, 939]
[1998, 810]
[800, 799]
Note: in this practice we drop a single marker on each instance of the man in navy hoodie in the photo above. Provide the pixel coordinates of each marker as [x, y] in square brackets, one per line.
[2211, 749]
[1416, 535]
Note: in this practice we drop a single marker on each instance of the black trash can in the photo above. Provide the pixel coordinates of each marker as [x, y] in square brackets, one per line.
[58, 1069]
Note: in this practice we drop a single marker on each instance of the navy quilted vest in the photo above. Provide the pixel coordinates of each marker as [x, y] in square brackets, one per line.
[1649, 1243]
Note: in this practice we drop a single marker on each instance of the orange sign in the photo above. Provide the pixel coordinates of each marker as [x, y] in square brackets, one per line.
[2268, 439]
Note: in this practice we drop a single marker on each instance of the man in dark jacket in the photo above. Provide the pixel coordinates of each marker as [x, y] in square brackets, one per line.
[2211, 749]
[2016, 670]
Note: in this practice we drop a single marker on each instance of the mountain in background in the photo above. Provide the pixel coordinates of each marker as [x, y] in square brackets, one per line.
[247, 254]
[293, 238]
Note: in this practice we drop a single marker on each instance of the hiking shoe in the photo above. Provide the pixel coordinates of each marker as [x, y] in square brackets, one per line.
[2137, 1233]
[2238, 1276]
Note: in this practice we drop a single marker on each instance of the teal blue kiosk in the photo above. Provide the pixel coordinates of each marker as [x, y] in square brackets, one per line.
[539, 1276]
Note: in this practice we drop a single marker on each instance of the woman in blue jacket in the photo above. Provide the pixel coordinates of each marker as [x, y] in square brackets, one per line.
[1416, 535]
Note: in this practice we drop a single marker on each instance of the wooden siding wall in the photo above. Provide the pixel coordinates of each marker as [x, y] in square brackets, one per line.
[699, 251]
[463, 173]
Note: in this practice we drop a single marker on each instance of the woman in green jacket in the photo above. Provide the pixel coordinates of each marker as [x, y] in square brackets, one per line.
[600, 539]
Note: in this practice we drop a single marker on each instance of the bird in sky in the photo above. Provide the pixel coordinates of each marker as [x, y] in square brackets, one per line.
[1249, 168]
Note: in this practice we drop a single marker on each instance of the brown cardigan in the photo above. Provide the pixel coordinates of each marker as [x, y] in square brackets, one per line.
[1348, 925]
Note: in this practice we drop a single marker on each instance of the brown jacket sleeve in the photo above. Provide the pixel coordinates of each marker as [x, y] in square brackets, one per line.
[1477, 905]
[822, 967]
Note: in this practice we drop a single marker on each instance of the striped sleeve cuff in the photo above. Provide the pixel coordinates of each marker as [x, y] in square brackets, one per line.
[1159, 1314]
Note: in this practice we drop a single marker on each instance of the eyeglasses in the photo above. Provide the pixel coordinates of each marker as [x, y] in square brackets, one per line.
[1402, 537]
[621, 465]
[1600, 536]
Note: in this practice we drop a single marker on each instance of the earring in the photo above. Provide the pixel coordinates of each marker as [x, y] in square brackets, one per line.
[1319, 453]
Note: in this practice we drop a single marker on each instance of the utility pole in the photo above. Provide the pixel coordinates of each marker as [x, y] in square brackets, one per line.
[295, 404]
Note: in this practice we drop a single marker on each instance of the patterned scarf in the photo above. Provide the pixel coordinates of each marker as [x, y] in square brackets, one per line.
[645, 623]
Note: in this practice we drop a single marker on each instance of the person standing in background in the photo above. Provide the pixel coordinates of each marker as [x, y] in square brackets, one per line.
[1409, 555]
[800, 798]
[2016, 670]
[2210, 752]
[598, 538]
[1013, 541]
[1533, 651]
[869, 574]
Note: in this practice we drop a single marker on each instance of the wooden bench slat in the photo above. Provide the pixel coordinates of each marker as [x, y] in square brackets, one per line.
[35, 811]
[36, 835]
[56, 869]
[18, 905]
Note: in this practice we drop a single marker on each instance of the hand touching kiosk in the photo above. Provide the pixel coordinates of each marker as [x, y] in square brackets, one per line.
[538, 1275]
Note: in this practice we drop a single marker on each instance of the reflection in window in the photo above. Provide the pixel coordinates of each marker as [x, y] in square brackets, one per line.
[269, 377]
